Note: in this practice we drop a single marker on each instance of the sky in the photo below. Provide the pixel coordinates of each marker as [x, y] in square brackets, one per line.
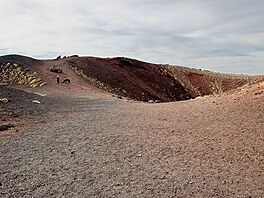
[218, 35]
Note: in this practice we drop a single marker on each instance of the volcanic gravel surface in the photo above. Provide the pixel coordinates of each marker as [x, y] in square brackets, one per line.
[206, 147]
[20, 111]
[21, 102]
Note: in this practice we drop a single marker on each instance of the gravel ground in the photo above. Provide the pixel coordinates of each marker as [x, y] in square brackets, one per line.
[20, 102]
[21, 112]
[207, 147]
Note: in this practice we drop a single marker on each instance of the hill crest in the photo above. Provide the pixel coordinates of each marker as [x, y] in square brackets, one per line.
[121, 76]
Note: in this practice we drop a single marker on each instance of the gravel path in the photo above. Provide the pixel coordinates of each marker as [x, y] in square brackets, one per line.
[207, 147]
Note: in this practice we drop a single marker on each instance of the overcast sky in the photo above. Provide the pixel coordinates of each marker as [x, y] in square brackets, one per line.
[218, 35]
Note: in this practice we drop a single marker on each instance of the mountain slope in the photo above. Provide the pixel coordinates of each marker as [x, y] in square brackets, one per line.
[123, 76]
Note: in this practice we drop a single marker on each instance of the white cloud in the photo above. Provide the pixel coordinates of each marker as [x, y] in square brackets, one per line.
[218, 35]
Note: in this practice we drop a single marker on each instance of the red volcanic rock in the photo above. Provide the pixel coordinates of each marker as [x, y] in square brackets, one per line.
[130, 78]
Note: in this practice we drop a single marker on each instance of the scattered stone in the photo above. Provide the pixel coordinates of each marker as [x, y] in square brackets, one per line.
[116, 96]
[72, 153]
[36, 101]
[258, 93]
[39, 94]
[4, 100]
[14, 115]
[6, 126]
[151, 101]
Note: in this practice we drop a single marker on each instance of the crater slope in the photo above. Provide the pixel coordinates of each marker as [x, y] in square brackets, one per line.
[121, 76]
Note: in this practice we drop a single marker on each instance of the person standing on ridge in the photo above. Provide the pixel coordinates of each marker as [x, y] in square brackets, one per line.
[58, 79]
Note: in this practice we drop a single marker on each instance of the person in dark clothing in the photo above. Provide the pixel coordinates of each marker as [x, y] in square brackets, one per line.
[58, 79]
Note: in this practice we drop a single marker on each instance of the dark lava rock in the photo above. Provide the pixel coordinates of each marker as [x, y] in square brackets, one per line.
[6, 126]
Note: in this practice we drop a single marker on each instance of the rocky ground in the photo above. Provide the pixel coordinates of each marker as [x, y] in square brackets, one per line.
[75, 140]
[104, 147]
[20, 111]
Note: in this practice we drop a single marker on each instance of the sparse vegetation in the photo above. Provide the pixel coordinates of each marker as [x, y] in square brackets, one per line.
[14, 74]
[126, 77]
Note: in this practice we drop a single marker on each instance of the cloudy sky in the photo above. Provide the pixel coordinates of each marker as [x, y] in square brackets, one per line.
[218, 35]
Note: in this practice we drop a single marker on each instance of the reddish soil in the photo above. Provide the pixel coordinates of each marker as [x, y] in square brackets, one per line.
[130, 78]
[201, 83]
